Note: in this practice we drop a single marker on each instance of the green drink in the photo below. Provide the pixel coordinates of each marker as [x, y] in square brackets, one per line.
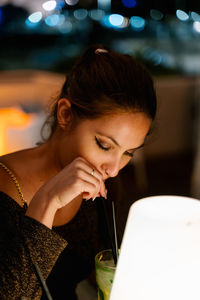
[105, 269]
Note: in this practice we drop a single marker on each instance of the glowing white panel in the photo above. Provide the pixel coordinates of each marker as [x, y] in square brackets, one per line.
[159, 257]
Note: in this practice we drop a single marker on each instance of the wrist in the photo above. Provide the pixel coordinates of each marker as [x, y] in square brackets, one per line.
[42, 209]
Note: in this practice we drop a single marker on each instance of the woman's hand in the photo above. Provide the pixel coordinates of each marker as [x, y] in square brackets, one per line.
[77, 178]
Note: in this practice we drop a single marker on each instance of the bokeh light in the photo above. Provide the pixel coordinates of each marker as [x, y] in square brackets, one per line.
[116, 20]
[61, 20]
[49, 5]
[196, 26]
[60, 4]
[96, 14]
[104, 5]
[156, 14]
[154, 56]
[106, 22]
[137, 23]
[35, 17]
[52, 20]
[80, 14]
[71, 2]
[195, 16]
[129, 3]
[125, 23]
[182, 15]
[1, 17]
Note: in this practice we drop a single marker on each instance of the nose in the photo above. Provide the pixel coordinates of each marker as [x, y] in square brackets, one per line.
[111, 169]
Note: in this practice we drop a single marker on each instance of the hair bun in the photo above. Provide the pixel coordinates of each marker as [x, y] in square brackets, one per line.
[99, 50]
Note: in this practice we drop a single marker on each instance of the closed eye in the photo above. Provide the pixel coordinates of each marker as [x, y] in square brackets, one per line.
[100, 145]
[129, 154]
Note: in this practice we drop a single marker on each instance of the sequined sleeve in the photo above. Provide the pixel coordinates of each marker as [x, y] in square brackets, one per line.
[22, 241]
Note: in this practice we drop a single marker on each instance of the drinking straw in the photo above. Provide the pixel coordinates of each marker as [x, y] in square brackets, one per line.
[42, 282]
[115, 230]
[38, 273]
[109, 230]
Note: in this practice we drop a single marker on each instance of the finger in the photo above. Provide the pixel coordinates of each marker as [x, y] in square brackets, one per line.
[82, 163]
[84, 175]
[102, 191]
[88, 190]
[89, 168]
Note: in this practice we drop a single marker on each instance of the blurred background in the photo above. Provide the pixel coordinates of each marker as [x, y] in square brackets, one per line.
[39, 42]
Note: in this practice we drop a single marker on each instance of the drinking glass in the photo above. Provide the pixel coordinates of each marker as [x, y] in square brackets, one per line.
[105, 269]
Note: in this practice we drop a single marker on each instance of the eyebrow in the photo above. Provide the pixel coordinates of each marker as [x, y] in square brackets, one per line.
[116, 143]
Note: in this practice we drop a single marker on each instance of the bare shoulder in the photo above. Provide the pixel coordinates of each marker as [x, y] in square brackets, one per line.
[19, 162]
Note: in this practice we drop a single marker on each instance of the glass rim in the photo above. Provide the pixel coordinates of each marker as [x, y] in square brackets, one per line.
[97, 261]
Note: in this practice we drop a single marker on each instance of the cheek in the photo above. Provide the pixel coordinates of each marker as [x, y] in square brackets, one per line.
[91, 154]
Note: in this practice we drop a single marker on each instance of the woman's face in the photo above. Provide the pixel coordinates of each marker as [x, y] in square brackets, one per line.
[108, 143]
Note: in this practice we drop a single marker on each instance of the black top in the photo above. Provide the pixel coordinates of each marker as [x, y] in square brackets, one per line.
[65, 254]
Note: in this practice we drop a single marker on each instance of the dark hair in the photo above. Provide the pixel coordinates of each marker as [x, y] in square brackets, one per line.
[102, 82]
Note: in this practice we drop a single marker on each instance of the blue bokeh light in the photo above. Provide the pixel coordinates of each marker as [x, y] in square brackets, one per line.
[156, 14]
[116, 20]
[35, 17]
[71, 2]
[52, 20]
[105, 21]
[80, 14]
[152, 55]
[137, 23]
[129, 3]
[1, 15]
[60, 4]
[195, 16]
[181, 15]
[96, 14]
[30, 24]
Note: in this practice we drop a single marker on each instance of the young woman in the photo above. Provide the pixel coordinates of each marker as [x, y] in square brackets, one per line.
[102, 116]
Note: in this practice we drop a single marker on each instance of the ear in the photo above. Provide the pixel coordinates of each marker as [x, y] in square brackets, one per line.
[64, 113]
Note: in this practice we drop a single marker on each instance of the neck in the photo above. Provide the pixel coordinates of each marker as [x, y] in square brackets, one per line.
[45, 159]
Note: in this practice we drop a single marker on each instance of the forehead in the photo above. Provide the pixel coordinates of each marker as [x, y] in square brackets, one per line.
[128, 129]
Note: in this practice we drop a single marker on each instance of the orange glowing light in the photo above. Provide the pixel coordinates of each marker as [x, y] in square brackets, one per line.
[11, 117]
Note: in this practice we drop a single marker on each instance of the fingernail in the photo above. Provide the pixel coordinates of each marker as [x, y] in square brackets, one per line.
[105, 194]
[93, 198]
